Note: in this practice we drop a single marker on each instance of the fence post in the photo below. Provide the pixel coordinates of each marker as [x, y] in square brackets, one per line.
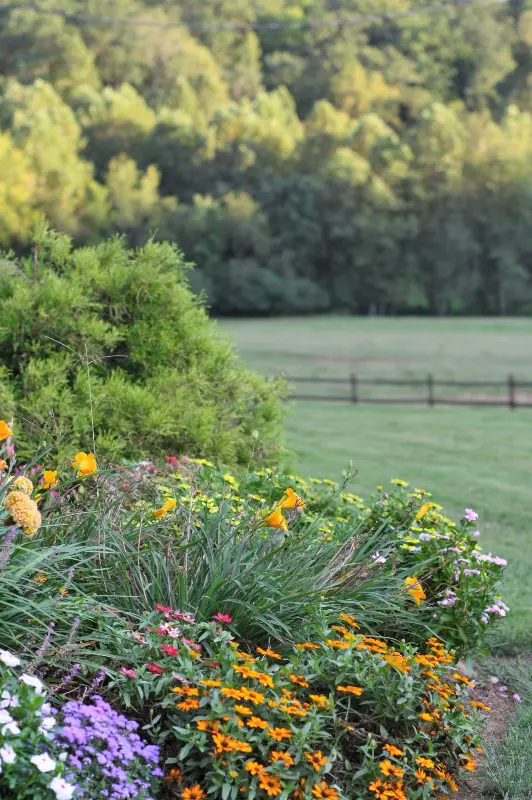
[511, 393]
[354, 387]
[430, 389]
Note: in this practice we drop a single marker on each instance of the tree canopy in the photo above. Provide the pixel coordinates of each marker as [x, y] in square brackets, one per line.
[382, 167]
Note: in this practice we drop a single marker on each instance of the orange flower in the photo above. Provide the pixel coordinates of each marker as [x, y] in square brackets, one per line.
[85, 463]
[463, 679]
[244, 710]
[235, 694]
[254, 768]
[414, 590]
[450, 782]
[250, 696]
[268, 652]
[291, 500]
[270, 784]
[298, 680]
[308, 646]
[470, 764]
[194, 793]
[479, 704]
[398, 661]
[228, 743]
[188, 705]
[356, 690]
[392, 750]
[174, 776]
[3, 465]
[428, 763]
[336, 643]
[49, 479]
[317, 760]
[189, 691]
[286, 758]
[210, 726]
[213, 684]
[422, 776]
[276, 520]
[320, 700]
[422, 511]
[322, 790]
[279, 733]
[426, 717]
[165, 508]
[388, 769]
[295, 711]
[257, 722]
[350, 620]
[5, 430]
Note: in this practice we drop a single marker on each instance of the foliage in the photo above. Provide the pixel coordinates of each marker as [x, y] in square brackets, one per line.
[381, 167]
[111, 342]
[327, 717]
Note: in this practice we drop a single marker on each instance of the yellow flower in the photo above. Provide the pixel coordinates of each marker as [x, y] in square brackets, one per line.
[356, 690]
[49, 479]
[317, 760]
[399, 482]
[85, 463]
[5, 430]
[415, 590]
[388, 769]
[165, 508]
[427, 763]
[23, 511]
[22, 484]
[422, 511]
[276, 520]
[286, 758]
[291, 500]
[392, 750]
[268, 652]
[3, 465]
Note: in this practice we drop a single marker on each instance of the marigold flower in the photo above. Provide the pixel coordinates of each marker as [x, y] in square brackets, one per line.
[276, 520]
[194, 793]
[22, 484]
[415, 590]
[49, 479]
[5, 430]
[269, 653]
[161, 512]
[85, 463]
[392, 750]
[291, 500]
[188, 705]
[317, 760]
[390, 770]
[23, 511]
[286, 758]
[279, 733]
[356, 690]
[254, 768]
[308, 646]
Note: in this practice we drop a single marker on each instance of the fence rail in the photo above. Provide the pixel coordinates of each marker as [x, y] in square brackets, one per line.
[510, 394]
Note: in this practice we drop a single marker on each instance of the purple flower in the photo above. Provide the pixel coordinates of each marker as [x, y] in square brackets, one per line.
[471, 572]
[517, 697]
[470, 515]
[424, 537]
[476, 534]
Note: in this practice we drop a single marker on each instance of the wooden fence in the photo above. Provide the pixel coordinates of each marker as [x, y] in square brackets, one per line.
[510, 392]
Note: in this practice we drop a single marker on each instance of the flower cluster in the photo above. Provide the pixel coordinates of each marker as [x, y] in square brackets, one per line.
[105, 754]
[20, 506]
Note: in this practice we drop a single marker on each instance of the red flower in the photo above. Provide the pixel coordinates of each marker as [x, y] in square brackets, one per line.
[170, 650]
[223, 617]
[159, 607]
[172, 460]
[155, 668]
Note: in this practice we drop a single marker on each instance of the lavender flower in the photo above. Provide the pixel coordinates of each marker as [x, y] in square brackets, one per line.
[5, 552]
[470, 515]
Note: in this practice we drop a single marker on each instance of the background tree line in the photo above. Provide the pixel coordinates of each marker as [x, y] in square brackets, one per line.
[384, 167]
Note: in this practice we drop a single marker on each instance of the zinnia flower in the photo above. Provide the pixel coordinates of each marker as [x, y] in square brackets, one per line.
[49, 479]
[5, 430]
[165, 508]
[85, 463]
[276, 520]
[223, 617]
[155, 668]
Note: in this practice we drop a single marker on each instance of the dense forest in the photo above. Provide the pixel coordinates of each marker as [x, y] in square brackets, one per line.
[376, 166]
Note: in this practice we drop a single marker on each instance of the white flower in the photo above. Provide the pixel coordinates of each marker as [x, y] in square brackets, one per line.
[43, 762]
[5, 716]
[62, 789]
[9, 659]
[31, 680]
[48, 723]
[63, 756]
[7, 754]
[45, 709]
[8, 700]
[11, 727]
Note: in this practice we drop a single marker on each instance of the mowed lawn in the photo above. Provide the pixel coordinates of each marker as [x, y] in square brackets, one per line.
[477, 457]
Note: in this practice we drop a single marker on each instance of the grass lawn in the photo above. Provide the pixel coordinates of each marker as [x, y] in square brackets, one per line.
[478, 457]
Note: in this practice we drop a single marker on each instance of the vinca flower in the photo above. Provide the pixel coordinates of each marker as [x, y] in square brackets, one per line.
[43, 762]
[9, 659]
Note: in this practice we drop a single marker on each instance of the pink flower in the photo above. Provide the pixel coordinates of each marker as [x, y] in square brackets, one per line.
[170, 650]
[470, 515]
[223, 617]
[161, 631]
[192, 645]
[155, 668]
[129, 673]
[517, 697]
[165, 609]
[476, 534]
[172, 460]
